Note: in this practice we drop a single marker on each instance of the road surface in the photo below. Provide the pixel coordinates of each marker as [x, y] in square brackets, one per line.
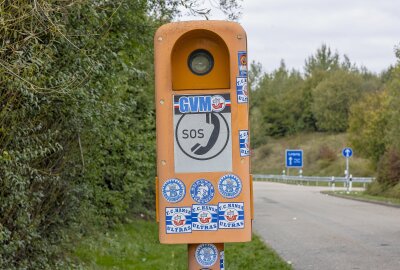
[316, 231]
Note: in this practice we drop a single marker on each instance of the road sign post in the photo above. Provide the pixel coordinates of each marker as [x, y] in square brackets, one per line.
[347, 152]
[204, 194]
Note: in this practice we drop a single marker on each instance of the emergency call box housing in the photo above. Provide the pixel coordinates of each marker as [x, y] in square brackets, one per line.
[204, 189]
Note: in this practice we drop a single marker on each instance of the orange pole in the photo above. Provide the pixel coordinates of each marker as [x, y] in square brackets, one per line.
[206, 256]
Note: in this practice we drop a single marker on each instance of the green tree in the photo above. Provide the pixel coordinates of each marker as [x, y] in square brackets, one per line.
[276, 95]
[323, 60]
[368, 125]
[332, 99]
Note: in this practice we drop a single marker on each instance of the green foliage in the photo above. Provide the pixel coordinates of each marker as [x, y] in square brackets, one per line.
[368, 125]
[287, 102]
[323, 61]
[118, 133]
[332, 99]
[36, 109]
[77, 127]
[389, 169]
[375, 128]
[273, 101]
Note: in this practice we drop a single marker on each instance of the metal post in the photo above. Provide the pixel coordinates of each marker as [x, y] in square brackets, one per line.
[347, 174]
[333, 183]
[206, 256]
[350, 182]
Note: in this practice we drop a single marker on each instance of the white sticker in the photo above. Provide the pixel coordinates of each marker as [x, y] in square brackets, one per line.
[206, 254]
[231, 215]
[241, 90]
[178, 220]
[244, 143]
[204, 217]
[202, 133]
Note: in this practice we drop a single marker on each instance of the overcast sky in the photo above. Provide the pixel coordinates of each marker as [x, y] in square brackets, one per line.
[365, 30]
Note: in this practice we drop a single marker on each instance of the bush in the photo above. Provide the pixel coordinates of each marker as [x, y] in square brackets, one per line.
[326, 153]
[389, 168]
[264, 151]
[374, 188]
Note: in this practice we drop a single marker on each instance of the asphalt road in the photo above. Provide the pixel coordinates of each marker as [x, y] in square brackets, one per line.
[321, 232]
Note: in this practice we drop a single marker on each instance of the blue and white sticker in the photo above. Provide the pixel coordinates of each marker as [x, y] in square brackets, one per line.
[178, 220]
[242, 59]
[187, 104]
[174, 190]
[206, 255]
[231, 215]
[229, 186]
[204, 217]
[241, 90]
[202, 191]
[221, 260]
[244, 143]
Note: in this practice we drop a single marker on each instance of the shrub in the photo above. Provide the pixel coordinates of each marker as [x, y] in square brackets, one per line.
[326, 153]
[389, 168]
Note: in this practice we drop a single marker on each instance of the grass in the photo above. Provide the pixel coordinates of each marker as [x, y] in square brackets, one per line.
[135, 246]
[365, 197]
[322, 156]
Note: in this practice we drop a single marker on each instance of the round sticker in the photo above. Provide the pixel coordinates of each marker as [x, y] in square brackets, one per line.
[206, 255]
[218, 103]
[202, 191]
[229, 186]
[173, 190]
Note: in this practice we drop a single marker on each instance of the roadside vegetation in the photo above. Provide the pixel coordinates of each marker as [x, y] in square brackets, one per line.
[328, 105]
[322, 155]
[77, 124]
[362, 196]
[135, 245]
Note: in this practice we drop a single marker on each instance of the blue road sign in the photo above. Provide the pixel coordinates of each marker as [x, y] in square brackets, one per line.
[347, 152]
[294, 158]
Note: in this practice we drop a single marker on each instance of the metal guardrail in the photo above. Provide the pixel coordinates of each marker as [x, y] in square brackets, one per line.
[332, 179]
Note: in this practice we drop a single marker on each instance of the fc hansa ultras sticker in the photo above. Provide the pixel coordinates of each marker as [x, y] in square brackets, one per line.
[241, 90]
[178, 219]
[244, 143]
[231, 215]
[204, 217]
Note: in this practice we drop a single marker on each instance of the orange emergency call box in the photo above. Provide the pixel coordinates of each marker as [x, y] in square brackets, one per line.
[203, 154]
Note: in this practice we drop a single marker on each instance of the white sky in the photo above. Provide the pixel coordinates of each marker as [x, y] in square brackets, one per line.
[365, 30]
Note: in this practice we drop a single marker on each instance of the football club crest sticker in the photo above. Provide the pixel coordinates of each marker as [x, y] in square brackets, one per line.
[178, 220]
[229, 186]
[218, 103]
[206, 255]
[204, 217]
[241, 89]
[202, 191]
[173, 190]
[244, 143]
[231, 215]
[242, 58]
